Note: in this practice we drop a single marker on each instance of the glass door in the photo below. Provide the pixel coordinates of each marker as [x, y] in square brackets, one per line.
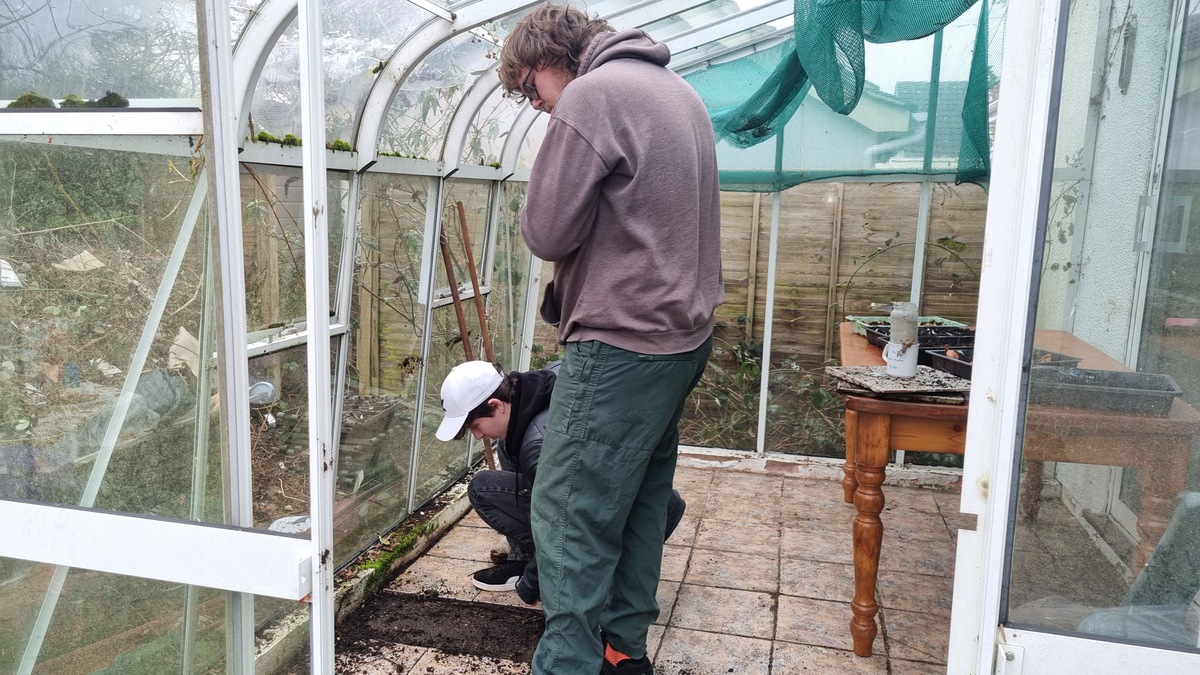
[1109, 415]
[1089, 537]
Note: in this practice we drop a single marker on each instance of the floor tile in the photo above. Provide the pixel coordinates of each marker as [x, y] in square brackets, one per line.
[916, 636]
[690, 652]
[472, 519]
[726, 569]
[674, 562]
[916, 592]
[931, 557]
[902, 499]
[739, 537]
[830, 513]
[800, 659]
[723, 610]
[749, 485]
[902, 667]
[685, 531]
[815, 579]
[443, 577]
[816, 622]
[819, 542]
[469, 543]
[734, 508]
[668, 591]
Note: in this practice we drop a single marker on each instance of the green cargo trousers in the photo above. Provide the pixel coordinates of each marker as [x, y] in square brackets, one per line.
[600, 499]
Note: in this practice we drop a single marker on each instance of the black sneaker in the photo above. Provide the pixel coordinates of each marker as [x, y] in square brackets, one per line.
[675, 509]
[616, 663]
[499, 578]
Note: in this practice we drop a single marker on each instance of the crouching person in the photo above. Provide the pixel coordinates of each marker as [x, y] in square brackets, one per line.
[512, 411]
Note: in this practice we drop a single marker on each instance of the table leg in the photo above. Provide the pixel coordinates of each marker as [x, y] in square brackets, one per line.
[849, 481]
[1162, 477]
[870, 455]
[1031, 489]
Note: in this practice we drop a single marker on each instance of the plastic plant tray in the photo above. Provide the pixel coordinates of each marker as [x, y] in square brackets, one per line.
[859, 324]
[928, 337]
[961, 365]
[1139, 393]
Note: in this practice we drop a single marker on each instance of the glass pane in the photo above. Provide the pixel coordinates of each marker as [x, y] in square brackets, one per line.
[1110, 383]
[509, 279]
[438, 463]
[426, 101]
[803, 416]
[100, 53]
[89, 240]
[279, 436]
[490, 129]
[385, 357]
[275, 106]
[109, 624]
[273, 245]
[240, 13]
[359, 39]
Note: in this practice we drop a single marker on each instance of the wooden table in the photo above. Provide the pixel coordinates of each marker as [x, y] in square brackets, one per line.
[874, 426]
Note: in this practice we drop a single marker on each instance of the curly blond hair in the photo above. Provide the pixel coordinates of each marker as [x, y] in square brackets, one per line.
[551, 35]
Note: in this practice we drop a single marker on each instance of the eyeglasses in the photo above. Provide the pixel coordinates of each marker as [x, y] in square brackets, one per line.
[527, 87]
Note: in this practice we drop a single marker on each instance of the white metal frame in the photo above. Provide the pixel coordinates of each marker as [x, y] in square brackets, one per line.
[1022, 128]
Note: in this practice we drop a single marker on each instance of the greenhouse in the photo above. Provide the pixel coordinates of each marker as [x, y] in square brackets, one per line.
[243, 243]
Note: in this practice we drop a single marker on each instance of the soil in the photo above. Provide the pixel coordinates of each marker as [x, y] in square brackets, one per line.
[449, 626]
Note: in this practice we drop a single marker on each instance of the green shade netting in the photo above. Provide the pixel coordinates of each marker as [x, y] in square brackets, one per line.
[933, 124]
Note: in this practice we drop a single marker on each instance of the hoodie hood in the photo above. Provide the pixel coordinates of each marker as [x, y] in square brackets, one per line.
[626, 44]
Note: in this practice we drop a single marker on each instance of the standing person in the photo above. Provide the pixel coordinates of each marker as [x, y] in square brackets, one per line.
[624, 199]
[512, 409]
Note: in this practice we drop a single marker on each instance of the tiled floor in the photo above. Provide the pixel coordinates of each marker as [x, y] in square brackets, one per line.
[757, 579]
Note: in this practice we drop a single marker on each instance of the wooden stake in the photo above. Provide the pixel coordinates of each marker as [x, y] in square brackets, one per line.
[488, 455]
[466, 234]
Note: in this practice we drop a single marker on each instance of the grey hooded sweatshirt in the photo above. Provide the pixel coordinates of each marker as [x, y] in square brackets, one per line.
[624, 199]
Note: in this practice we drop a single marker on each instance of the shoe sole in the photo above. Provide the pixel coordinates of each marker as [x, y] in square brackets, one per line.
[510, 585]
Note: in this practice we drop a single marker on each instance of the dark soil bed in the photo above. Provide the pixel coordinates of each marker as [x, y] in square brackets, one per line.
[450, 626]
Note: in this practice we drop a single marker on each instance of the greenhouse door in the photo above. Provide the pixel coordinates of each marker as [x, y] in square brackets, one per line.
[1088, 266]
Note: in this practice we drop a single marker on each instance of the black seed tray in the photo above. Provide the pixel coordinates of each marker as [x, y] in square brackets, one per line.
[961, 366]
[1144, 393]
[929, 337]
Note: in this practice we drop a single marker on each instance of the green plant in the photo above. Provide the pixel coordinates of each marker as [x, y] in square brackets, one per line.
[340, 145]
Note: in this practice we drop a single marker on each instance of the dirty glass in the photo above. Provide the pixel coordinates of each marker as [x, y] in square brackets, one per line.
[109, 624]
[509, 279]
[85, 54]
[273, 245]
[438, 463]
[1107, 512]
[104, 298]
[489, 128]
[427, 99]
[382, 378]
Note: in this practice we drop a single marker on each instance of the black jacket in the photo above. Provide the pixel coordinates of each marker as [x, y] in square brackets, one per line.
[522, 446]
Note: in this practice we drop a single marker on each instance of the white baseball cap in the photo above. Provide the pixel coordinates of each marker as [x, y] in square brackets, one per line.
[467, 385]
